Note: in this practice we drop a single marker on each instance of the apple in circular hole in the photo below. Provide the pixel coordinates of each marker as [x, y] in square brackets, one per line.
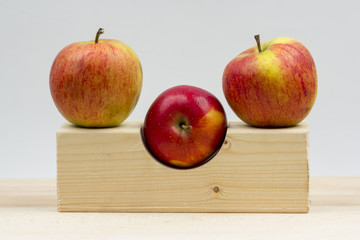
[273, 84]
[184, 127]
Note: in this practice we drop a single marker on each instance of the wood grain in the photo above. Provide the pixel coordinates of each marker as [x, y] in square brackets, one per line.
[256, 170]
[28, 211]
[29, 193]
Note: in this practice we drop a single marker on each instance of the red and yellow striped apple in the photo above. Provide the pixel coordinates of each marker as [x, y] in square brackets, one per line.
[184, 127]
[273, 84]
[96, 83]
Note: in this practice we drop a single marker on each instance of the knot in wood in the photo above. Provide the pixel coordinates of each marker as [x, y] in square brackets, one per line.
[226, 144]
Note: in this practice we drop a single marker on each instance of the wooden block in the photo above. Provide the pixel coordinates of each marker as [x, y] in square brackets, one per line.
[109, 170]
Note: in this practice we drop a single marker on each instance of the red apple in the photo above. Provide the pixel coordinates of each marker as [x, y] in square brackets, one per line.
[184, 127]
[273, 84]
[96, 83]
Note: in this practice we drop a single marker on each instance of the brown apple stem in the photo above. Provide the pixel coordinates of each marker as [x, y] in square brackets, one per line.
[185, 126]
[99, 32]
[257, 38]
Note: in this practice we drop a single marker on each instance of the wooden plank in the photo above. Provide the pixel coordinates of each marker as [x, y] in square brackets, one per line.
[27, 193]
[324, 192]
[256, 170]
[335, 191]
[334, 214]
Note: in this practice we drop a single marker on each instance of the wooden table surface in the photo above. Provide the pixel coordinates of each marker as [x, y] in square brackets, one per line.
[28, 211]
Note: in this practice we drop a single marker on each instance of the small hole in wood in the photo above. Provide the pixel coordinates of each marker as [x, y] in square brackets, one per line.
[216, 189]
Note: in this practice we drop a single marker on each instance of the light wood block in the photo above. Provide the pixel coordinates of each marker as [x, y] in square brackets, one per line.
[109, 170]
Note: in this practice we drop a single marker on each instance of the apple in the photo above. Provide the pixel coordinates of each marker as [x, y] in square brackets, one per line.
[96, 83]
[184, 127]
[273, 84]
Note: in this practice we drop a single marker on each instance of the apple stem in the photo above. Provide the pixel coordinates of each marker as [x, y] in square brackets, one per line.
[185, 126]
[257, 38]
[99, 32]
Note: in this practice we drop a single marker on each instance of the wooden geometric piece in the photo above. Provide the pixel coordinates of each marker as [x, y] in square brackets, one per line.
[109, 170]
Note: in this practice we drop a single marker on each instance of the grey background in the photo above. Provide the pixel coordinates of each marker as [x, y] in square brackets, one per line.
[178, 42]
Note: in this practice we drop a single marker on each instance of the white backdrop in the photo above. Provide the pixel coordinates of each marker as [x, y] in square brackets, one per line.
[178, 42]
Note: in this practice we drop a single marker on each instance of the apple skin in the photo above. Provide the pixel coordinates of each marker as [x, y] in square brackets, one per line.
[184, 127]
[96, 84]
[273, 88]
